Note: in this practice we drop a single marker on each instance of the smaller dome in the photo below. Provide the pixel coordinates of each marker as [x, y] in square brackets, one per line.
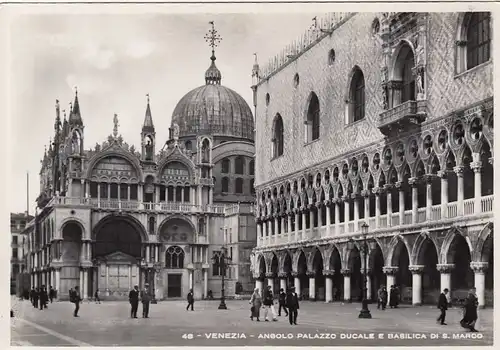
[213, 74]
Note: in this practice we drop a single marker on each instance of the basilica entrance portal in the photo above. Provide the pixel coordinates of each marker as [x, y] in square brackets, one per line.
[118, 253]
[174, 283]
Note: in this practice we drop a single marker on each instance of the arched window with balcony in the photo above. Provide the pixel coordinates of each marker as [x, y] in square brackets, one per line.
[408, 88]
[478, 39]
[225, 166]
[356, 99]
[238, 186]
[278, 138]
[239, 165]
[174, 258]
[225, 185]
[312, 122]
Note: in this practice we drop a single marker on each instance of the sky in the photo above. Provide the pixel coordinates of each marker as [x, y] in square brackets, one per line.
[114, 60]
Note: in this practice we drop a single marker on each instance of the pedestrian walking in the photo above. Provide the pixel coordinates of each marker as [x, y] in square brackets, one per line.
[36, 297]
[256, 302]
[443, 306]
[32, 296]
[269, 304]
[392, 297]
[146, 300]
[52, 294]
[382, 298]
[292, 303]
[470, 312]
[397, 296]
[44, 298]
[76, 299]
[96, 296]
[282, 302]
[190, 300]
[133, 298]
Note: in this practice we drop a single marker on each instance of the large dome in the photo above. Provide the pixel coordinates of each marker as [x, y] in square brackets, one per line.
[214, 109]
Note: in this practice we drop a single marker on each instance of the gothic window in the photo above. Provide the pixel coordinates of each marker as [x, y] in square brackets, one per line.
[239, 165]
[225, 166]
[478, 39]
[170, 193]
[225, 184]
[356, 103]
[216, 265]
[178, 194]
[408, 92]
[312, 121]
[104, 190]
[123, 192]
[201, 226]
[278, 139]
[174, 258]
[238, 186]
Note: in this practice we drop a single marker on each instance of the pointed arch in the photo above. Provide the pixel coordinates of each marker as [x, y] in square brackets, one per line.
[312, 118]
[355, 96]
[396, 245]
[278, 136]
[444, 254]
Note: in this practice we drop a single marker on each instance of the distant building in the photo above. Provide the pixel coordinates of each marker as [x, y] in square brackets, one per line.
[112, 217]
[18, 244]
[384, 119]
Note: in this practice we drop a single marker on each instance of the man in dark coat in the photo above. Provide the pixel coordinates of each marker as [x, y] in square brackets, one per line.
[292, 303]
[43, 298]
[382, 298]
[52, 294]
[282, 302]
[36, 296]
[470, 311]
[146, 300]
[133, 298]
[32, 296]
[190, 300]
[76, 299]
[443, 306]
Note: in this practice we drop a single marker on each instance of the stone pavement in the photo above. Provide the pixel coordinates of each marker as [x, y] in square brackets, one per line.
[170, 324]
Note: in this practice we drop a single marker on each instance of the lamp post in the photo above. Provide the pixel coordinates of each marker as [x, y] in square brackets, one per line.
[223, 266]
[365, 312]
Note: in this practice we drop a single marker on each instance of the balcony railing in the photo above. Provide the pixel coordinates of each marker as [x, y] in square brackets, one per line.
[413, 112]
[468, 208]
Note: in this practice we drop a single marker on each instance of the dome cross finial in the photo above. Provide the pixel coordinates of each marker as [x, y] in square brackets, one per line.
[213, 75]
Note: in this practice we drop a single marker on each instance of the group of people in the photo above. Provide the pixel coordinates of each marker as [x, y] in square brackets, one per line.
[288, 302]
[469, 309]
[144, 296]
[394, 296]
[40, 296]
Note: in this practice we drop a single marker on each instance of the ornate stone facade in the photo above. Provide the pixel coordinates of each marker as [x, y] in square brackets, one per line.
[405, 145]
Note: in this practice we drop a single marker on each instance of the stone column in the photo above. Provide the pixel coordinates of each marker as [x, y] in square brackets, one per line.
[346, 212]
[459, 170]
[264, 232]
[205, 282]
[355, 198]
[312, 285]
[414, 200]
[282, 276]
[445, 271]
[428, 207]
[85, 284]
[296, 283]
[130, 284]
[328, 218]
[109, 191]
[296, 226]
[311, 216]
[477, 168]
[390, 272]
[289, 226]
[399, 186]
[376, 191]
[276, 231]
[270, 280]
[328, 285]
[58, 280]
[444, 193]
[147, 254]
[190, 279]
[387, 189]
[479, 269]
[304, 235]
[128, 192]
[366, 196]
[319, 207]
[259, 231]
[80, 285]
[416, 271]
[259, 284]
[347, 284]
[336, 203]
[107, 279]
[270, 231]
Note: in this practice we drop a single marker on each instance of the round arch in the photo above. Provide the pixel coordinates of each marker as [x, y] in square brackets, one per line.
[403, 48]
[182, 160]
[69, 221]
[124, 218]
[176, 229]
[100, 156]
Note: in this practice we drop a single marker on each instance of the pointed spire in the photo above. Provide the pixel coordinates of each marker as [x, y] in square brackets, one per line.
[65, 128]
[148, 125]
[57, 122]
[115, 126]
[75, 117]
[213, 74]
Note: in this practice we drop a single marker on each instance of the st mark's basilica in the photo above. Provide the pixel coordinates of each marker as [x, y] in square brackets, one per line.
[113, 216]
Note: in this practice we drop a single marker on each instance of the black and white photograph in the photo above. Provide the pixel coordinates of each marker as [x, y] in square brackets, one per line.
[250, 174]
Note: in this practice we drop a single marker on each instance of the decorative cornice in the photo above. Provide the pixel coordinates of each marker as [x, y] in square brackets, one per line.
[445, 268]
[416, 269]
[479, 267]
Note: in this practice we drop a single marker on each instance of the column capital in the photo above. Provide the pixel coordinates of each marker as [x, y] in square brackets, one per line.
[445, 268]
[428, 178]
[388, 187]
[459, 170]
[327, 202]
[376, 190]
[355, 196]
[443, 174]
[311, 274]
[295, 274]
[270, 275]
[413, 181]
[479, 267]
[476, 166]
[390, 270]
[328, 273]
[399, 185]
[365, 193]
[345, 272]
[416, 269]
[345, 198]
[282, 274]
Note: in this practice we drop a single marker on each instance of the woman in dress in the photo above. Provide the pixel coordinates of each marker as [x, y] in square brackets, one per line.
[470, 311]
[256, 302]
